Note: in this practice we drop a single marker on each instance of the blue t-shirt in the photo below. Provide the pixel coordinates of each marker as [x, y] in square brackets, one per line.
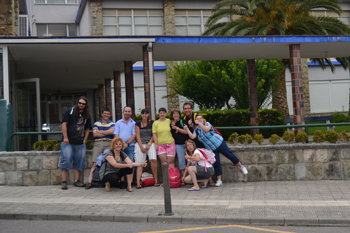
[210, 139]
[125, 130]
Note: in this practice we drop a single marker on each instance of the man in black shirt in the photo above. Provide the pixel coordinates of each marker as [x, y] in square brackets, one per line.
[76, 125]
[189, 120]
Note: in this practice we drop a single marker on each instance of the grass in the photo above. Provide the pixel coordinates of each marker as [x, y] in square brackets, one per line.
[337, 129]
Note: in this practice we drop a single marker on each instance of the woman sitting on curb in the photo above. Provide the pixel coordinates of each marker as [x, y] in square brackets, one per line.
[113, 168]
[213, 141]
[198, 168]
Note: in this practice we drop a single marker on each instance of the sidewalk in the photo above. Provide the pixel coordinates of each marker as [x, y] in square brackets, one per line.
[257, 203]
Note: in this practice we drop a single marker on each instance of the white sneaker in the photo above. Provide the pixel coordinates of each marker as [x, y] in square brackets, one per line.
[218, 183]
[244, 170]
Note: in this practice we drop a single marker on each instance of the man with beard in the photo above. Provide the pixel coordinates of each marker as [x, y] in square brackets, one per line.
[76, 125]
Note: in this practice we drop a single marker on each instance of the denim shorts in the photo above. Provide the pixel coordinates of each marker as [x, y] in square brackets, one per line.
[71, 152]
[180, 151]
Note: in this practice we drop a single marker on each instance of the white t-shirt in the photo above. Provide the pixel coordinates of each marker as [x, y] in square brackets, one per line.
[202, 162]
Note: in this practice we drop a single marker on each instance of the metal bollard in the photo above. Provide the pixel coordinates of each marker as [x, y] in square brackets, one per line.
[167, 197]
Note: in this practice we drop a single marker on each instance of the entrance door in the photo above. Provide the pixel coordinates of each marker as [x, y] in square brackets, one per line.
[27, 112]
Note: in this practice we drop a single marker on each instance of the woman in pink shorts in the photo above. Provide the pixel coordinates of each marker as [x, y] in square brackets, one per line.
[163, 140]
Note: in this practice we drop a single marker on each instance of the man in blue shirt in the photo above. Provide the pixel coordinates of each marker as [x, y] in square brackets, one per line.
[125, 129]
[103, 133]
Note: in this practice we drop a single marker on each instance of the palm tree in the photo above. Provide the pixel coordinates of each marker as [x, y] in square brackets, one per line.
[277, 17]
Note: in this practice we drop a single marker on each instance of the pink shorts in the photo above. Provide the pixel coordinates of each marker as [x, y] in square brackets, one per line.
[168, 149]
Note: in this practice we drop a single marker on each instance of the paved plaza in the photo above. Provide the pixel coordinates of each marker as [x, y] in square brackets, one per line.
[269, 203]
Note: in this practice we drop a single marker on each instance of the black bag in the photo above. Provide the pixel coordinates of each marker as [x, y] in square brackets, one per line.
[96, 182]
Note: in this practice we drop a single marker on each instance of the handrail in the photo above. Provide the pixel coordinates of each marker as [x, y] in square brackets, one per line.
[306, 126]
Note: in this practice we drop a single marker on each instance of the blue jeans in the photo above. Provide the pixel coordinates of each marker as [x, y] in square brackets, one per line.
[223, 149]
[130, 150]
[71, 152]
[180, 151]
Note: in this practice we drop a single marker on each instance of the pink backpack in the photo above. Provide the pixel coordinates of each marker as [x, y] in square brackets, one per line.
[208, 155]
[174, 178]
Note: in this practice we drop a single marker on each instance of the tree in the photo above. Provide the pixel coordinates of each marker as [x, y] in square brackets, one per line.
[277, 17]
[211, 84]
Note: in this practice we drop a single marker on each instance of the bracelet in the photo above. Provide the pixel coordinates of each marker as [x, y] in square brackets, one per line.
[150, 144]
[65, 137]
[85, 139]
[140, 164]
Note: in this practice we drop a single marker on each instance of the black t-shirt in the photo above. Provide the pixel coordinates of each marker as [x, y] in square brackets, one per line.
[185, 120]
[179, 137]
[76, 127]
[145, 132]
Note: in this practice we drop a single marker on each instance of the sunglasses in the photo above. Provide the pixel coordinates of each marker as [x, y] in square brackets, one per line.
[81, 103]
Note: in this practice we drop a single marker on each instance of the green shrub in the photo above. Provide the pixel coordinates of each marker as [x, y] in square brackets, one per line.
[318, 136]
[274, 139]
[288, 136]
[338, 118]
[301, 137]
[259, 138]
[233, 138]
[331, 136]
[51, 145]
[271, 117]
[245, 139]
[39, 145]
[343, 136]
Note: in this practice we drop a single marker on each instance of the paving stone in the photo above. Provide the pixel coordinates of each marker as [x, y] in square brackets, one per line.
[50, 162]
[332, 171]
[266, 221]
[285, 172]
[301, 221]
[295, 156]
[281, 156]
[334, 155]
[44, 177]
[229, 221]
[31, 178]
[2, 178]
[300, 171]
[7, 164]
[165, 219]
[56, 177]
[309, 156]
[14, 178]
[256, 173]
[35, 163]
[250, 157]
[70, 217]
[230, 172]
[196, 220]
[31, 216]
[322, 155]
[123, 218]
[21, 163]
[315, 171]
[271, 172]
[345, 170]
[345, 153]
[97, 217]
[265, 157]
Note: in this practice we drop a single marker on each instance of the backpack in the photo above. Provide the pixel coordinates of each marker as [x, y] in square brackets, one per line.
[96, 182]
[147, 179]
[208, 155]
[174, 178]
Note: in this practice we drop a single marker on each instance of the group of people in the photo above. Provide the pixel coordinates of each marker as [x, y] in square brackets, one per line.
[129, 143]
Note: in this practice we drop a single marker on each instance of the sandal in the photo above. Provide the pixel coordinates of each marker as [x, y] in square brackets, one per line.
[139, 187]
[156, 184]
[129, 189]
[108, 187]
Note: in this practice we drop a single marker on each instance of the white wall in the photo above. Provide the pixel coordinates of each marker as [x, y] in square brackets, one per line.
[85, 22]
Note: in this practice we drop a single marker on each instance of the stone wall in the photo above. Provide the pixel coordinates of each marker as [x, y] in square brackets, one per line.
[9, 10]
[264, 163]
[96, 18]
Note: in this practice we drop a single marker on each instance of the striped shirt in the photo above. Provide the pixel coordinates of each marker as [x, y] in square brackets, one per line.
[210, 139]
[100, 126]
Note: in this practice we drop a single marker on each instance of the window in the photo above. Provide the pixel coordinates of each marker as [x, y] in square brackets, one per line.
[56, 30]
[56, 1]
[132, 22]
[192, 22]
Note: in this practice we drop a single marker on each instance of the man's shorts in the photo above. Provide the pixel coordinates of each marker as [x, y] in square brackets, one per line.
[99, 147]
[71, 152]
[168, 149]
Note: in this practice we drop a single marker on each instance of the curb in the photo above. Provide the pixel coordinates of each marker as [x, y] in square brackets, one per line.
[181, 219]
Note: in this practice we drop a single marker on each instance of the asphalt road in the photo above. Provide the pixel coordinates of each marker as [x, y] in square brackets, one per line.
[25, 226]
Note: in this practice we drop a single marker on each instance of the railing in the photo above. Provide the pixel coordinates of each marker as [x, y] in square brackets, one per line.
[9, 140]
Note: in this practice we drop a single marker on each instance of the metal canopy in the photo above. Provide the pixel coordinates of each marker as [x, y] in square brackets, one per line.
[84, 62]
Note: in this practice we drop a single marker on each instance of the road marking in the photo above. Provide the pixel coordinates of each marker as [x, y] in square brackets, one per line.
[215, 227]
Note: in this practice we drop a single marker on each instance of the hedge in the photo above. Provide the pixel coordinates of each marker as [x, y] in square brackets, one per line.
[242, 118]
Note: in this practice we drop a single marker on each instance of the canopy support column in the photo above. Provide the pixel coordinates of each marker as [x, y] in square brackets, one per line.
[129, 85]
[148, 77]
[253, 96]
[117, 95]
[297, 86]
[108, 93]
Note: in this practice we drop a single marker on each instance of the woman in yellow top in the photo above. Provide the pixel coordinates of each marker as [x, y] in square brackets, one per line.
[163, 140]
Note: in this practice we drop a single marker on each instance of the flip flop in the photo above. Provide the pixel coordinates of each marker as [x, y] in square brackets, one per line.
[156, 184]
[139, 187]
[192, 189]
[207, 186]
